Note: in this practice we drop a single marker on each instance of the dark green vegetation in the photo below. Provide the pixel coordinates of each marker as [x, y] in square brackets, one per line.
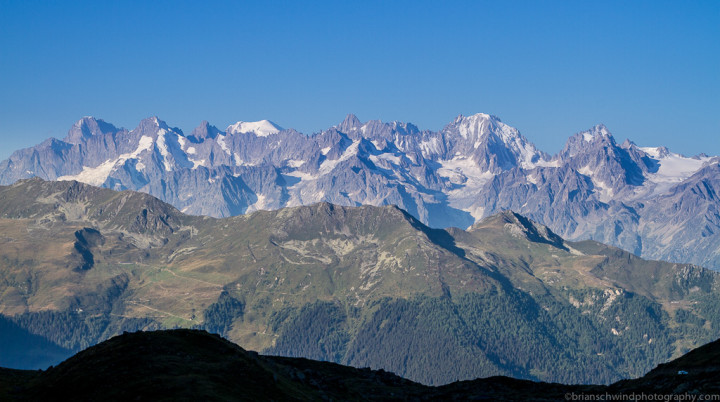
[194, 365]
[366, 287]
[219, 316]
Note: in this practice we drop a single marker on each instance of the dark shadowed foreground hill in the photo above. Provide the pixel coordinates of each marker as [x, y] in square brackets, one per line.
[194, 365]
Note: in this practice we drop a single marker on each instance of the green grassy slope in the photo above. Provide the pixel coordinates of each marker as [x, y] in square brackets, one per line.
[364, 286]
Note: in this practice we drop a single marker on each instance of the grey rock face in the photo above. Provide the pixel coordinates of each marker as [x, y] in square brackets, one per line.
[203, 132]
[88, 127]
[649, 201]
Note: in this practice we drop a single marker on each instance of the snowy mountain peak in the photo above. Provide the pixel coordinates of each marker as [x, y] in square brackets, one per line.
[586, 141]
[476, 126]
[486, 134]
[656, 152]
[597, 131]
[158, 123]
[475, 117]
[484, 116]
[261, 128]
[671, 168]
[84, 121]
[151, 125]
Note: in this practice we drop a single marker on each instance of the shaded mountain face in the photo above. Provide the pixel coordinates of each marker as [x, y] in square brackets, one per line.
[361, 286]
[24, 350]
[194, 365]
[476, 166]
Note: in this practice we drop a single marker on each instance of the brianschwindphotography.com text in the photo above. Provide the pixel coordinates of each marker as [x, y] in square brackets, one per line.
[640, 396]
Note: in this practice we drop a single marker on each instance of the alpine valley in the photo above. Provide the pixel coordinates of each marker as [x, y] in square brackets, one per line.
[649, 201]
[365, 286]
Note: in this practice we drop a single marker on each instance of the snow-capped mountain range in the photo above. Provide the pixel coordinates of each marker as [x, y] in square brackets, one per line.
[650, 201]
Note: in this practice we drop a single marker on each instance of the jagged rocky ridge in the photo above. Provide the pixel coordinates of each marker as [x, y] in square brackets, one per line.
[649, 201]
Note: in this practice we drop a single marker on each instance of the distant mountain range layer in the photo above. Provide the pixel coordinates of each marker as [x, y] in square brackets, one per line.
[648, 201]
[361, 286]
[194, 365]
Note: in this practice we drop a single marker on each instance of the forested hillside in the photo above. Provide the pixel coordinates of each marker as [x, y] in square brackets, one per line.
[362, 286]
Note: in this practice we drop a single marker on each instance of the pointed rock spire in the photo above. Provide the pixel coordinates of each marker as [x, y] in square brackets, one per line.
[203, 131]
[350, 123]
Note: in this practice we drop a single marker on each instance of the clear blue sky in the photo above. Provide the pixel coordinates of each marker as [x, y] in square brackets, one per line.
[649, 70]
